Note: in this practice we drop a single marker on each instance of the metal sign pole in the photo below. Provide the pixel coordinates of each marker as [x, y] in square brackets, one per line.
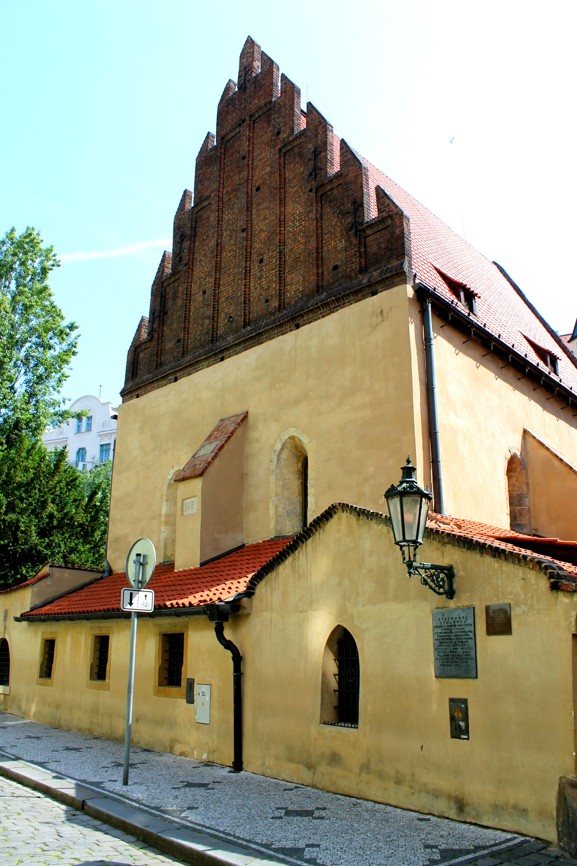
[139, 563]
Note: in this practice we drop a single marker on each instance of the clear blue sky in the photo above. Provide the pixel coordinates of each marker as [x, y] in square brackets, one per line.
[469, 106]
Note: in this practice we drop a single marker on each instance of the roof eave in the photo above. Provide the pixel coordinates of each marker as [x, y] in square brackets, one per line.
[468, 324]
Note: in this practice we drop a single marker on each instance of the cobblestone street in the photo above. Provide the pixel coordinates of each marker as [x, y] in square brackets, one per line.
[37, 830]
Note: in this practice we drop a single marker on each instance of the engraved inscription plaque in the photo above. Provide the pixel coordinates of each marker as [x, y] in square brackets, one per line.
[454, 643]
[498, 619]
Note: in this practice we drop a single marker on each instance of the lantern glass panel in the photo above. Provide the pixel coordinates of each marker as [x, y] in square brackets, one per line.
[423, 518]
[412, 511]
[394, 503]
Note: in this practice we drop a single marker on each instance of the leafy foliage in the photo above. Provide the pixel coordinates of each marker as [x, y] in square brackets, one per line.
[37, 344]
[49, 511]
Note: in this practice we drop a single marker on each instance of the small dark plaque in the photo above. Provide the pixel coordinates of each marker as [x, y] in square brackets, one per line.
[454, 643]
[498, 619]
[459, 718]
[190, 691]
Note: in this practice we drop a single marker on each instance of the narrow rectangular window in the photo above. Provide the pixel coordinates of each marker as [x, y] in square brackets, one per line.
[79, 425]
[88, 427]
[99, 664]
[171, 659]
[104, 453]
[47, 659]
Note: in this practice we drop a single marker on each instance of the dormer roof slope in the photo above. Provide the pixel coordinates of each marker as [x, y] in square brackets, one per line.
[208, 451]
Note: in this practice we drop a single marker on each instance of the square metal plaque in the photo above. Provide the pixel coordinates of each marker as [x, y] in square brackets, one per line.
[454, 643]
[498, 619]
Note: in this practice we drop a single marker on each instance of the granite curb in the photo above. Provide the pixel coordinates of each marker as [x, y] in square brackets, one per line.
[172, 837]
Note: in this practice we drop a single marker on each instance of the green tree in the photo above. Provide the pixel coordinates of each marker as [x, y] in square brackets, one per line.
[36, 343]
[49, 511]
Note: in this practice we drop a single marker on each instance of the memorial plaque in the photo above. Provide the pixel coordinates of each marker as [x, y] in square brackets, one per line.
[459, 718]
[498, 619]
[190, 505]
[454, 643]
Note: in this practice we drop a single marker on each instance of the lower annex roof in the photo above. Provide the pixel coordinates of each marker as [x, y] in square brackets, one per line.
[188, 590]
[214, 582]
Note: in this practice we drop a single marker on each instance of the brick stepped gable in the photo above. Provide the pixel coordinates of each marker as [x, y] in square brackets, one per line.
[277, 229]
[288, 224]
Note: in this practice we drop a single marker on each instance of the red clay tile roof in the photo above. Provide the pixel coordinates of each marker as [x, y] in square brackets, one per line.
[215, 581]
[211, 447]
[555, 559]
[555, 551]
[500, 307]
[243, 569]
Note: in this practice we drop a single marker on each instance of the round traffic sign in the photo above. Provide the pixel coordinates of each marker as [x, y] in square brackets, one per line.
[140, 562]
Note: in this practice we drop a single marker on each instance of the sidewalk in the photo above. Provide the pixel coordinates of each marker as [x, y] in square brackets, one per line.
[202, 813]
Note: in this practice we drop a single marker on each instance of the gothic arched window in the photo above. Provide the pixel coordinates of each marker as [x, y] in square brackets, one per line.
[291, 487]
[518, 491]
[341, 680]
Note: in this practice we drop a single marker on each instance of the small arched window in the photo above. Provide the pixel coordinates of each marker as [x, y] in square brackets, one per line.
[341, 680]
[518, 492]
[80, 456]
[4, 662]
[291, 487]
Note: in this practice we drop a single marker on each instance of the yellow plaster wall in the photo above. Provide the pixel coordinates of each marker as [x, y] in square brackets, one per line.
[189, 526]
[520, 705]
[162, 719]
[348, 573]
[552, 490]
[345, 381]
[12, 603]
[484, 407]
[353, 385]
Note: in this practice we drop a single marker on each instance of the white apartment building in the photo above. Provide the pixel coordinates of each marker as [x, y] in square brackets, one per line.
[89, 438]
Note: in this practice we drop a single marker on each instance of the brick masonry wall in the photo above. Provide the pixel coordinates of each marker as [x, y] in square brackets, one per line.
[280, 218]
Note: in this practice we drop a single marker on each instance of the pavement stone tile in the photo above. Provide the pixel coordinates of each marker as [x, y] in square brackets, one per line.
[275, 821]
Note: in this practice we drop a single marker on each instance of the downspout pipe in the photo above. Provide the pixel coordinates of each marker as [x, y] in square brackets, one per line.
[219, 617]
[431, 384]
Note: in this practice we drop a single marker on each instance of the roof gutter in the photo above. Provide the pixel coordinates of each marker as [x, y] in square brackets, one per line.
[112, 614]
[496, 344]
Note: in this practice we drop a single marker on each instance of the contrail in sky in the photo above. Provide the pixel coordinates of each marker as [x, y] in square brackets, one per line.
[65, 258]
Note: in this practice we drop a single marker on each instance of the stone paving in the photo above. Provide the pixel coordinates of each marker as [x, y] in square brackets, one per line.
[37, 830]
[278, 821]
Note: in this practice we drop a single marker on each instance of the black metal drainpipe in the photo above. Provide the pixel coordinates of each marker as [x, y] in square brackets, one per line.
[438, 503]
[236, 692]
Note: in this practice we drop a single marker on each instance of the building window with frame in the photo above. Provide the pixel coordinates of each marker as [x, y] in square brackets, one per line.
[47, 658]
[341, 680]
[80, 457]
[171, 659]
[79, 425]
[104, 455]
[88, 424]
[4, 662]
[100, 655]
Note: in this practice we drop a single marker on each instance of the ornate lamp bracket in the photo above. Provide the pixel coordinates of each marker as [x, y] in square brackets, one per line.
[438, 578]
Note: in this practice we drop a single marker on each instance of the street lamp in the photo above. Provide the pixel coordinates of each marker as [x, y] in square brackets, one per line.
[408, 506]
